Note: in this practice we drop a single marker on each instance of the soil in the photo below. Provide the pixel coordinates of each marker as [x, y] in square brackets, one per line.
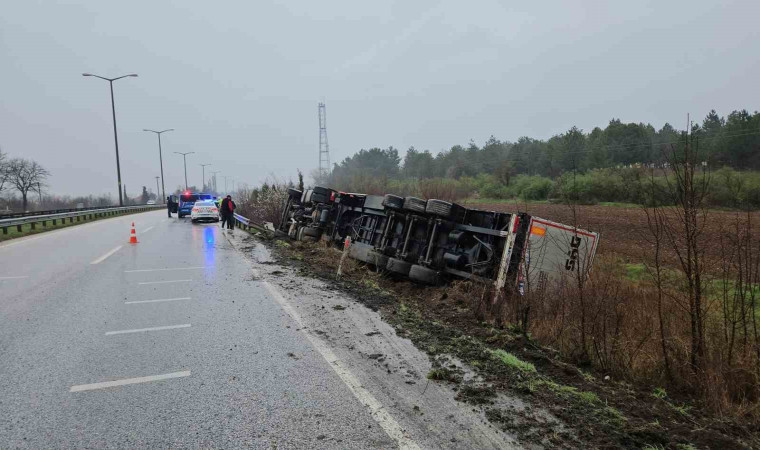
[595, 411]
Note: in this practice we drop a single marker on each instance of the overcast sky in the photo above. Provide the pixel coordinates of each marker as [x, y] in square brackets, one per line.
[240, 81]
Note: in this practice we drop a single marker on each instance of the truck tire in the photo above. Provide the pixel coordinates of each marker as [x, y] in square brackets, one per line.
[415, 204]
[323, 190]
[312, 232]
[378, 259]
[391, 201]
[295, 194]
[398, 266]
[360, 252]
[306, 195]
[445, 210]
[314, 197]
[422, 274]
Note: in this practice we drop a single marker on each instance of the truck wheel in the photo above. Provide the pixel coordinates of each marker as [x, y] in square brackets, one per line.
[312, 232]
[391, 201]
[323, 190]
[422, 274]
[295, 194]
[319, 198]
[445, 210]
[415, 204]
[398, 266]
[378, 259]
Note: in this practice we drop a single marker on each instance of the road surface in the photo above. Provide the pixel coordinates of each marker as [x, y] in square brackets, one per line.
[193, 338]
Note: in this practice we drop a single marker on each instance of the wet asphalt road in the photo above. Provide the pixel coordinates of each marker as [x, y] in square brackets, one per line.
[67, 324]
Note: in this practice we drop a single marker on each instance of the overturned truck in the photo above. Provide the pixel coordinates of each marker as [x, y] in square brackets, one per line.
[432, 240]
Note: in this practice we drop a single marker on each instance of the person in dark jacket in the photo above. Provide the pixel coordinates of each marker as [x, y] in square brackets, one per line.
[228, 209]
[169, 206]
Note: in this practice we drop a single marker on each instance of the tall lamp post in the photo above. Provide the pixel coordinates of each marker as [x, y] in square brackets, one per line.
[204, 175]
[160, 160]
[113, 112]
[184, 158]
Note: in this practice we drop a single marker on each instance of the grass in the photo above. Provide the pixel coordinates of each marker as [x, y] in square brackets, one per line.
[619, 204]
[513, 361]
[504, 200]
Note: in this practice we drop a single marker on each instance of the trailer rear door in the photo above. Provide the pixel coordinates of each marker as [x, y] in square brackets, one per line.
[555, 250]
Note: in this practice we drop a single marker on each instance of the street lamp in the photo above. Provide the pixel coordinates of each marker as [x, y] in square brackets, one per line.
[161, 159]
[113, 112]
[184, 158]
[204, 174]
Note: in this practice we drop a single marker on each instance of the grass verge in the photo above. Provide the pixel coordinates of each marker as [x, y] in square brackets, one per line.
[597, 411]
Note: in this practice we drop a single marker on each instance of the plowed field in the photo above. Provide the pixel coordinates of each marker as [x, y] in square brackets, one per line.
[624, 231]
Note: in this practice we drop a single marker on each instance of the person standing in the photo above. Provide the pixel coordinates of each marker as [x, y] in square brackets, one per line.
[169, 206]
[222, 211]
[228, 209]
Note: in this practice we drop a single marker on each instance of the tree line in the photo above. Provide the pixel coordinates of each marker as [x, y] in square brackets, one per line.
[732, 141]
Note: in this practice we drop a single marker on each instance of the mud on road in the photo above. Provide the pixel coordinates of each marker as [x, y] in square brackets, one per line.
[526, 392]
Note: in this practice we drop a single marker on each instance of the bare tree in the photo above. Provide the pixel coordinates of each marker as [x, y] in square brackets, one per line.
[26, 175]
[4, 173]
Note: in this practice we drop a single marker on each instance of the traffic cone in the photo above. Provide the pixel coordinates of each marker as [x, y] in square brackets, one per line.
[133, 235]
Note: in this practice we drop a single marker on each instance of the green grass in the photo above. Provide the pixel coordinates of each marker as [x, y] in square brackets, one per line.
[513, 361]
[504, 200]
[619, 204]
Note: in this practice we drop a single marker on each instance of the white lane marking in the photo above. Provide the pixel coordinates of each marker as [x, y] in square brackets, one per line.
[376, 409]
[146, 230]
[122, 382]
[157, 300]
[141, 330]
[110, 252]
[163, 270]
[14, 278]
[162, 282]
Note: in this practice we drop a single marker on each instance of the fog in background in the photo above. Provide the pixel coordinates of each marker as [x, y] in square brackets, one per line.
[240, 81]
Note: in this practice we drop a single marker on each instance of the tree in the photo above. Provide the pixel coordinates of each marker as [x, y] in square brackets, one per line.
[4, 170]
[300, 180]
[145, 196]
[26, 175]
[418, 164]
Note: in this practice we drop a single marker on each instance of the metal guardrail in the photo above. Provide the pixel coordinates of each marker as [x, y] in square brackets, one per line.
[247, 224]
[52, 211]
[78, 214]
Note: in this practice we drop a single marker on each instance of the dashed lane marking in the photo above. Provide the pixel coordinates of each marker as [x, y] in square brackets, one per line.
[110, 252]
[146, 230]
[164, 270]
[125, 381]
[162, 282]
[142, 330]
[157, 300]
[14, 278]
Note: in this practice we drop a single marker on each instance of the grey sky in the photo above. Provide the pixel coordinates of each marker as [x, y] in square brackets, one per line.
[240, 81]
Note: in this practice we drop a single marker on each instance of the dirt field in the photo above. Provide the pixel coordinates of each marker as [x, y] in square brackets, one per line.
[624, 231]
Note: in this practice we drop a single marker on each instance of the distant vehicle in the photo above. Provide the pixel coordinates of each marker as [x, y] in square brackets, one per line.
[204, 210]
[151, 202]
[187, 201]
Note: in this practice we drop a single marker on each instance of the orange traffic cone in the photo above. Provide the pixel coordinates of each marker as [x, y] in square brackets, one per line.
[132, 235]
